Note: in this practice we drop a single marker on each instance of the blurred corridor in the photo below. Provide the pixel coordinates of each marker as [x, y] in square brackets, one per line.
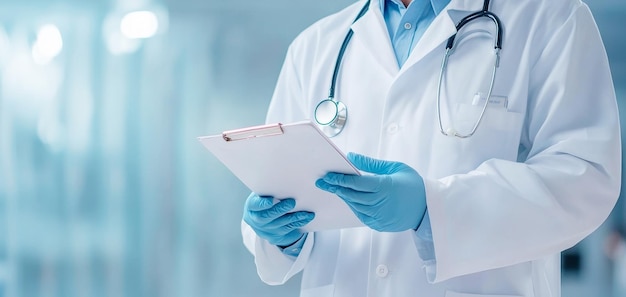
[104, 189]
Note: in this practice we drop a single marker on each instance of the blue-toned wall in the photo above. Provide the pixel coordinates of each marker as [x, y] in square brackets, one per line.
[104, 189]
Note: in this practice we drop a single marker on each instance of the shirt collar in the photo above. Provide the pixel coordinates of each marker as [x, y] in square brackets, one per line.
[437, 5]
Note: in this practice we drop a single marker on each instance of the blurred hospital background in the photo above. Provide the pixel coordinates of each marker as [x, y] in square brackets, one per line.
[104, 189]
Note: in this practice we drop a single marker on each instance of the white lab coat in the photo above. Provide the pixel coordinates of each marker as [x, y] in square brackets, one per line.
[539, 175]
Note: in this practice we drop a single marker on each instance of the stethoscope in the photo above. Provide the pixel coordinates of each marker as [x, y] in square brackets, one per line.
[331, 114]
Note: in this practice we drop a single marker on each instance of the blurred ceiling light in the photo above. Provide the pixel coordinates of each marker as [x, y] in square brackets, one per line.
[48, 45]
[116, 42]
[139, 24]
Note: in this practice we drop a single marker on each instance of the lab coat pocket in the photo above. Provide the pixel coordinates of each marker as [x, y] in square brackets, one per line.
[456, 294]
[323, 291]
[497, 134]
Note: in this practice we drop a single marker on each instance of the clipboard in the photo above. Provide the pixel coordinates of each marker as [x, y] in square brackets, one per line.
[284, 161]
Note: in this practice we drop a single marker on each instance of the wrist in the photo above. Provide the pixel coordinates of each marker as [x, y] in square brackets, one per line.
[294, 248]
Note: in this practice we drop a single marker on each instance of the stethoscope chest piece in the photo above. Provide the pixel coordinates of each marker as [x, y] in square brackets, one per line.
[331, 116]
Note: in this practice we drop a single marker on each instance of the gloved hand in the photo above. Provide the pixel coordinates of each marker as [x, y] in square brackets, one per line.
[391, 200]
[273, 222]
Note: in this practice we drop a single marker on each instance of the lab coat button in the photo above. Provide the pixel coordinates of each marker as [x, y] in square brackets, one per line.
[382, 270]
[407, 26]
[392, 129]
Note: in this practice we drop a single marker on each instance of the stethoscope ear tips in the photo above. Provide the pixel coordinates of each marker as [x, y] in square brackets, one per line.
[331, 116]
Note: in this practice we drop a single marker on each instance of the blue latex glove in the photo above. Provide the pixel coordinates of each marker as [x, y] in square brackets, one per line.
[391, 200]
[274, 222]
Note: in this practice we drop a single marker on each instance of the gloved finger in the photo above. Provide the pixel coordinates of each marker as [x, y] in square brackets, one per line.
[294, 225]
[280, 239]
[321, 184]
[293, 235]
[370, 210]
[291, 218]
[279, 209]
[350, 195]
[376, 166]
[269, 236]
[366, 219]
[264, 217]
[287, 239]
[362, 183]
[257, 203]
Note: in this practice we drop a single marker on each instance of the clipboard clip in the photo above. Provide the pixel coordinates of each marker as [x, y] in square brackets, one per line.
[253, 132]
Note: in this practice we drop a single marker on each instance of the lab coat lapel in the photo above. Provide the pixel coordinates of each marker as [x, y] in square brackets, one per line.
[370, 32]
[442, 28]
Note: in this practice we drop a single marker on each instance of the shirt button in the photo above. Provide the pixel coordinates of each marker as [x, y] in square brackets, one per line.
[392, 129]
[407, 26]
[382, 270]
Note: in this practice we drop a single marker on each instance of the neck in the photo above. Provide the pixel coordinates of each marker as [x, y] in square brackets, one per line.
[406, 2]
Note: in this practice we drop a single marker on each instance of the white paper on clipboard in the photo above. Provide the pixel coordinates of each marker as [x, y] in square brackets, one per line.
[284, 161]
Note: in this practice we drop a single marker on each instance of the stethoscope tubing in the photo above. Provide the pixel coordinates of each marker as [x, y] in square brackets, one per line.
[476, 15]
[452, 131]
[342, 51]
[449, 49]
[334, 126]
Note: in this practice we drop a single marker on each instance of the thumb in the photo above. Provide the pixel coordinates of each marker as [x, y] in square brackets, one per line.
[371, 165]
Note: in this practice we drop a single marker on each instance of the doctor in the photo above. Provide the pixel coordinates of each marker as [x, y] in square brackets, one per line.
[479, 169]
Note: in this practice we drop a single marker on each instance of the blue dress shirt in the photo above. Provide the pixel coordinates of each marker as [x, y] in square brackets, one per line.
[406, 25]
